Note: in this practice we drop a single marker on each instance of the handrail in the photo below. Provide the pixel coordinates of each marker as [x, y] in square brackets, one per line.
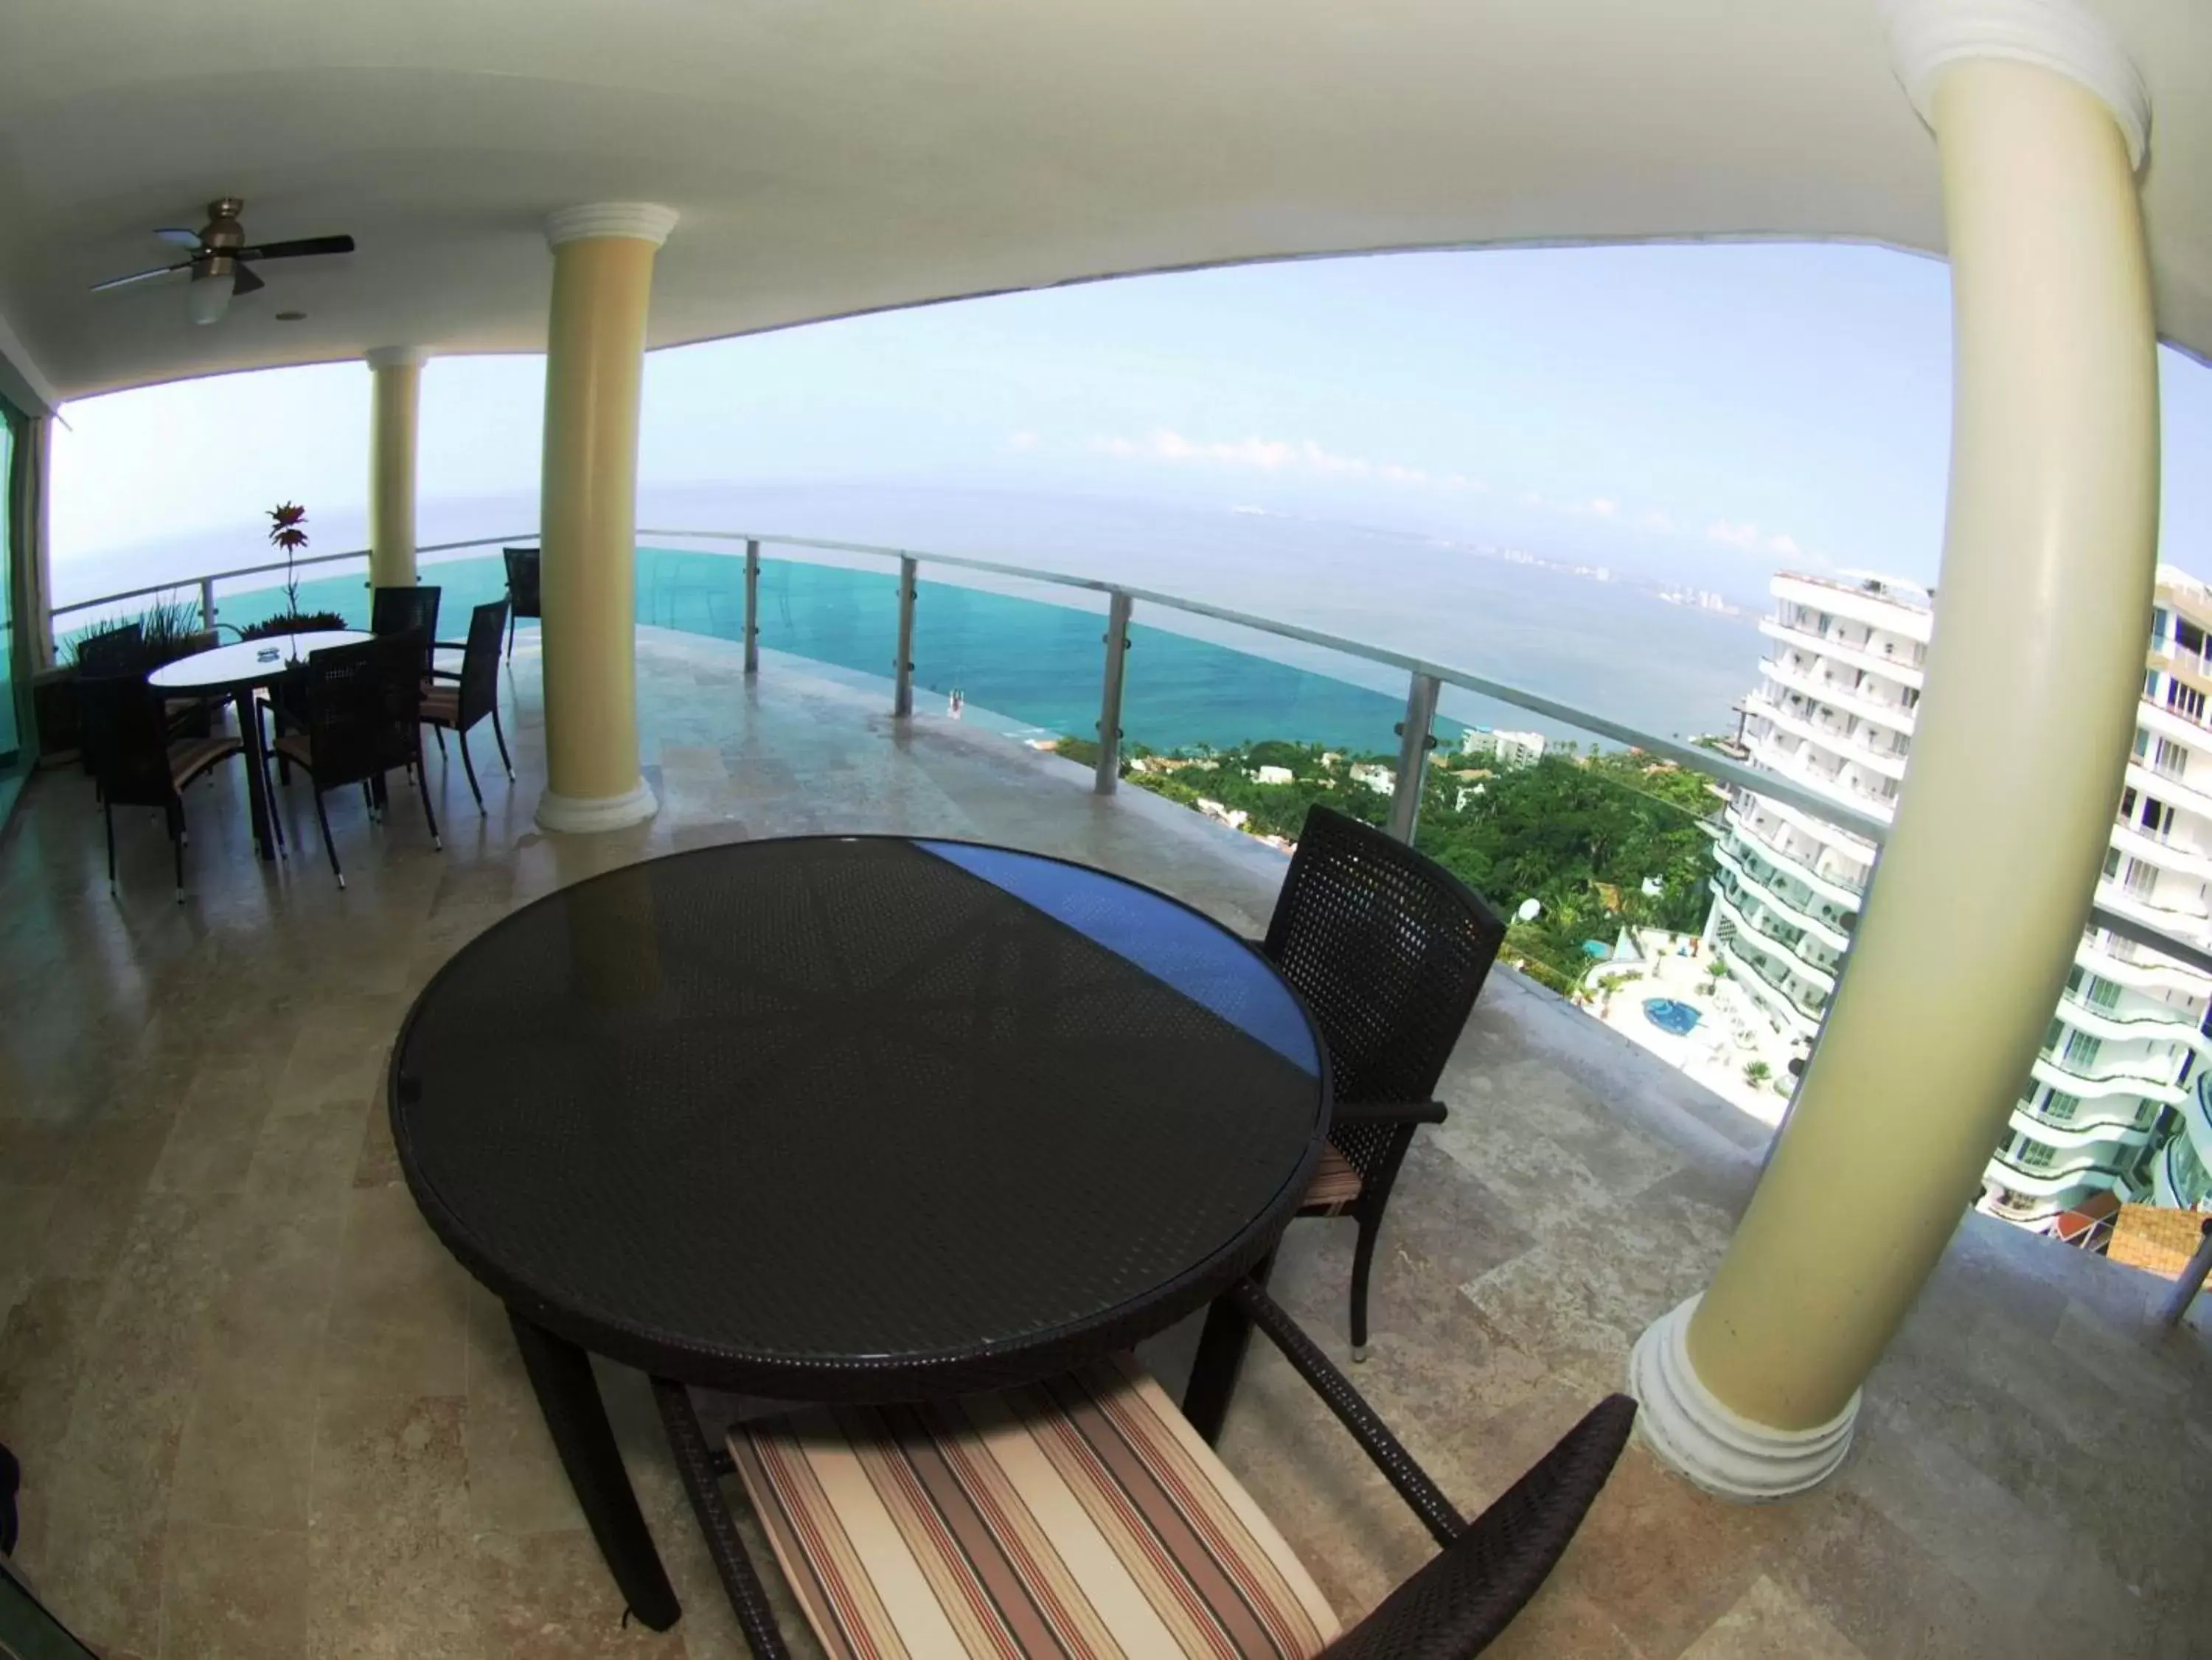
[206, 577]
[1774, 786]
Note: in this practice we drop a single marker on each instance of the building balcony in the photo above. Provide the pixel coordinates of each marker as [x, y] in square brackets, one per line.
[1797, 914]
[2168, 851]
[1875, 662]
[1838, 872]
[1832, 735]
[1745, 911]
[1771, 755]
[227, 1332]
[1894, 716]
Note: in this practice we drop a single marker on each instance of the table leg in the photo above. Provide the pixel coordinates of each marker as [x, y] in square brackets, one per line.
[1221, 1346]
[561, 1373]
[257, 775]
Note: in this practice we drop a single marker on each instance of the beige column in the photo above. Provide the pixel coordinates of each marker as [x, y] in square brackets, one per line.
[395, 382]
[2023, 732]
[594, 367]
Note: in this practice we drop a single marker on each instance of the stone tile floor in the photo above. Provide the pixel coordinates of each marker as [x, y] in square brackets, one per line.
[262, 1415]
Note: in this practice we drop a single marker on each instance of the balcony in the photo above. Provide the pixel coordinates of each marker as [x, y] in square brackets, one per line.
[1832, 734]
[1747, 912]
[1875, 661]
[1797, 913]
[1892, 714]
[237, 1359]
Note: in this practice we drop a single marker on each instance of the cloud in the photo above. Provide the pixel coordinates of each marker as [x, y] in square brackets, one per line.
[1785, 546]
[1604, 507]
[1659, 519]
[1021, 440]
[1267, 455]
[1729, 534]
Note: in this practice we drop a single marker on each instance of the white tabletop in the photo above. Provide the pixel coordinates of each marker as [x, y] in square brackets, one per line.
[229, 667]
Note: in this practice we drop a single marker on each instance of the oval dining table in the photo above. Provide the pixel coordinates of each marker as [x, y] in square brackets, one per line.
[238, 671]
[863, 1118]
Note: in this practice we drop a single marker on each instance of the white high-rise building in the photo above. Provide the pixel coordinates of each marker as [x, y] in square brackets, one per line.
[2112, 1105]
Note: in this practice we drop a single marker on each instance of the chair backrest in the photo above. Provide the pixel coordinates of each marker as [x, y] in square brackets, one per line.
[479, 691]
[1389, 950]
[1464, 1599]
[126, 740]
[118, 650]
[364, 704]
[404, 610]
[522, 580]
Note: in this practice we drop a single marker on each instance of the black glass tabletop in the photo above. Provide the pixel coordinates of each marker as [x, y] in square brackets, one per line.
[857, 1117]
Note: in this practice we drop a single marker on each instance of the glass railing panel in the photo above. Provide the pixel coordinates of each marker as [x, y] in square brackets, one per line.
[1023, 658]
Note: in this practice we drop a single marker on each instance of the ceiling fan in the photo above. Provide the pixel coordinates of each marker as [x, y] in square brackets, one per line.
[221, 258]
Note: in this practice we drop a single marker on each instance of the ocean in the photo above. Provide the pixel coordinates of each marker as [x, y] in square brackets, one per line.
[1032, 654]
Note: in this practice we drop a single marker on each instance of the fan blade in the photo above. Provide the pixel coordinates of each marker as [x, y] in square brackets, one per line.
[182, 237]
[141, 277]
[299, 249]
[246, 282]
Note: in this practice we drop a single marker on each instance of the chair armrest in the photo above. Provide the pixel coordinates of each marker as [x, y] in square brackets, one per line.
[1463, 1598]
[449, 645]
[445, 674]
[1390, 1112]
[1413, 1485]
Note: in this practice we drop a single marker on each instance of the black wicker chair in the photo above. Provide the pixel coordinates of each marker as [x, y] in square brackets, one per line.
[1174, 1506]
[406, 611]
[460, 701]
[1389, 950]
[117, 651]
[363, 707]
[134, 760]
[522, 590]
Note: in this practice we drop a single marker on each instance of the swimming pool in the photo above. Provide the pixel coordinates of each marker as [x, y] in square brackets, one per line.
[1669, 1015]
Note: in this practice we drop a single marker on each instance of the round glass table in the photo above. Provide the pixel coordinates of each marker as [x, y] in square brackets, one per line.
[848, 1119]
[238, 671]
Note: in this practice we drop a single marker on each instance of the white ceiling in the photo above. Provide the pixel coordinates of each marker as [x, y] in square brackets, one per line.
[831, 158]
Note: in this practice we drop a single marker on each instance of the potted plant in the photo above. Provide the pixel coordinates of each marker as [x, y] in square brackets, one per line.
[287, 528]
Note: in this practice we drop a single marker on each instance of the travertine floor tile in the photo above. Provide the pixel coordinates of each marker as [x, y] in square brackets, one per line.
[262, 1412]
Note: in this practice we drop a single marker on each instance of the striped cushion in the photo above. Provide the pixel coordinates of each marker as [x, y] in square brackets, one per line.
[441, 704]
[1081, 1518]
[1335, 1182]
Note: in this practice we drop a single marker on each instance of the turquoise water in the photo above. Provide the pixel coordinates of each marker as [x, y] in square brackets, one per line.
[1034, 663]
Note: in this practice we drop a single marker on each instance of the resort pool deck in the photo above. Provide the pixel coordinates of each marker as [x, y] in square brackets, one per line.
[263, 1413]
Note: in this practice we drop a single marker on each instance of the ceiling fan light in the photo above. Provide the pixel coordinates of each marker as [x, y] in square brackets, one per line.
[207, 298]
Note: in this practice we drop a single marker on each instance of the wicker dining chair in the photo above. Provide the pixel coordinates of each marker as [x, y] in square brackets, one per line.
[135, 760]
[522, 601]
[117, 651]
[456, 702]
[1389, 951]
[1085, 1514]
[405, 610]
[363, 705]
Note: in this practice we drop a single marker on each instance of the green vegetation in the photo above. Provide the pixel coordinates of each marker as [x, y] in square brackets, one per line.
[1600, 841]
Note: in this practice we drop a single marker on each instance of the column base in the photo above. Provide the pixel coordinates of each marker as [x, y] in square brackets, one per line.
[586, 814]
[1691, 1431]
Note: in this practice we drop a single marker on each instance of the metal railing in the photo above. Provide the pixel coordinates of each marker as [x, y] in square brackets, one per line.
[205, 581]
[1424, 680]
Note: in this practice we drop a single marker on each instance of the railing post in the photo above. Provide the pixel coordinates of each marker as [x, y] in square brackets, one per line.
[207, 604]
[1414, 742]
[2175, 1304]
[752, 607]
[902, 684]
[1109, 776]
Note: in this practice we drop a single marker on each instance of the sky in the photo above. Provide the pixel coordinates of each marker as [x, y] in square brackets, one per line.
[1700, 414]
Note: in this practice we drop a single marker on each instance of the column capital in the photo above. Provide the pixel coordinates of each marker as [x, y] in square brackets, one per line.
[1926, 37]
[394, 357]
[641, 222]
